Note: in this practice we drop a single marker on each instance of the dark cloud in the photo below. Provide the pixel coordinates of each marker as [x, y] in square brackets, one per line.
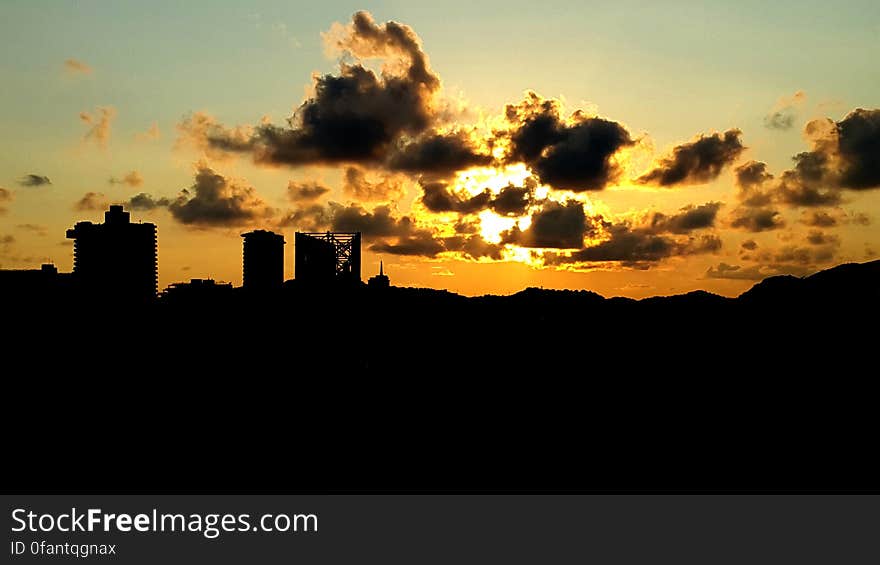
[820, 219]
[784, 113]
[401, 236]
[437, 197]
[91, 201]
[688, 219]
[305, 191]
[751, 179]
[364, 38]
[796, 259]
[34, 180]
[473, 247]
[357, 116]
[513, 200]
[132, 179]
[308, 217]
[859, 149]
[464, 226]
[145, 202]
[380, 222]
[356, 185]
[638, 247]
[204, 133]
[756, 219]
[752, 174]
[388, 233]
[818, 237]
[421, 243]
[844, 156]
[736, 272]
[801, 187]
[780, 119]
[555, 225]
[806, 256]
[214, 200]
[749, 245]
[574, 154]
[756, 272]
[697, 162]
[438, 154]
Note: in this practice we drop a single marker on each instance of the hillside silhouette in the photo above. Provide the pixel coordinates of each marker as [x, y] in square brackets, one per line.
[401, 388]
[388, 327]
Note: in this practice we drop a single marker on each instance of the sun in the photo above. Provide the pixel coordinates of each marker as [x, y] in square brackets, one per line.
[478, 179]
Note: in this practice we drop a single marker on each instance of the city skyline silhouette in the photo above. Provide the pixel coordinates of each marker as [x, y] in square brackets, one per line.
[625, 183]
[118, 260]
[497, 242]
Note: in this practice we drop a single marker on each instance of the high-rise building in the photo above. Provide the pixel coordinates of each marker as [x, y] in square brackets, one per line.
[116, 260]
[263, 260]
[329, 257]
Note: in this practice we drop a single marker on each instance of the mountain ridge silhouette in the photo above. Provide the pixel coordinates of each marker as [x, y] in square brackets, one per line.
[540, 389]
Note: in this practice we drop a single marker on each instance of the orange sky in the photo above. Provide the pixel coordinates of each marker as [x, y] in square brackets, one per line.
[530, 190]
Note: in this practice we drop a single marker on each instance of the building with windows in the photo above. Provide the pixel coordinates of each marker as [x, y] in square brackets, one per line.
[116, 260]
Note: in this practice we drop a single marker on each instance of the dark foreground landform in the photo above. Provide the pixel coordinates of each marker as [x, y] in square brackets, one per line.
[781, 320]
[420, 389]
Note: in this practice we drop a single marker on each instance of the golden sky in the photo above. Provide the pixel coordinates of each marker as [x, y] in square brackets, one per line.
[514, 190]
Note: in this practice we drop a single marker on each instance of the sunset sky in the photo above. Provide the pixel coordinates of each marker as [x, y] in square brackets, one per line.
[630, 148]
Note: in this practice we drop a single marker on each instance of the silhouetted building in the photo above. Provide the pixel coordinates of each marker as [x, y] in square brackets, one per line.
[197, 291]
[116, 259]
[263, 260]
[330, 257]
[381, 280]
[45, 284]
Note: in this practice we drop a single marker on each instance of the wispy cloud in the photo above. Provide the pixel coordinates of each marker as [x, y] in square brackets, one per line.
[77, 67]
[32, 179]
[91, 201]
[132, 179]
[152, 134]
[99, 124]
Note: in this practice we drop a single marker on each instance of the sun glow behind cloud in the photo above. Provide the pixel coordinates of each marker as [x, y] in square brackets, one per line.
[639, 170]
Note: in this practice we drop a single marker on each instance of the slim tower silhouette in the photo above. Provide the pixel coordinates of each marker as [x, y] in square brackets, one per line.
[381, 280]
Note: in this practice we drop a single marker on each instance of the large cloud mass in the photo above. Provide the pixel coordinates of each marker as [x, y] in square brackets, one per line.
[572, 154]
[500, 187]
[699, 161]
[356, 116]
[213, 201]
